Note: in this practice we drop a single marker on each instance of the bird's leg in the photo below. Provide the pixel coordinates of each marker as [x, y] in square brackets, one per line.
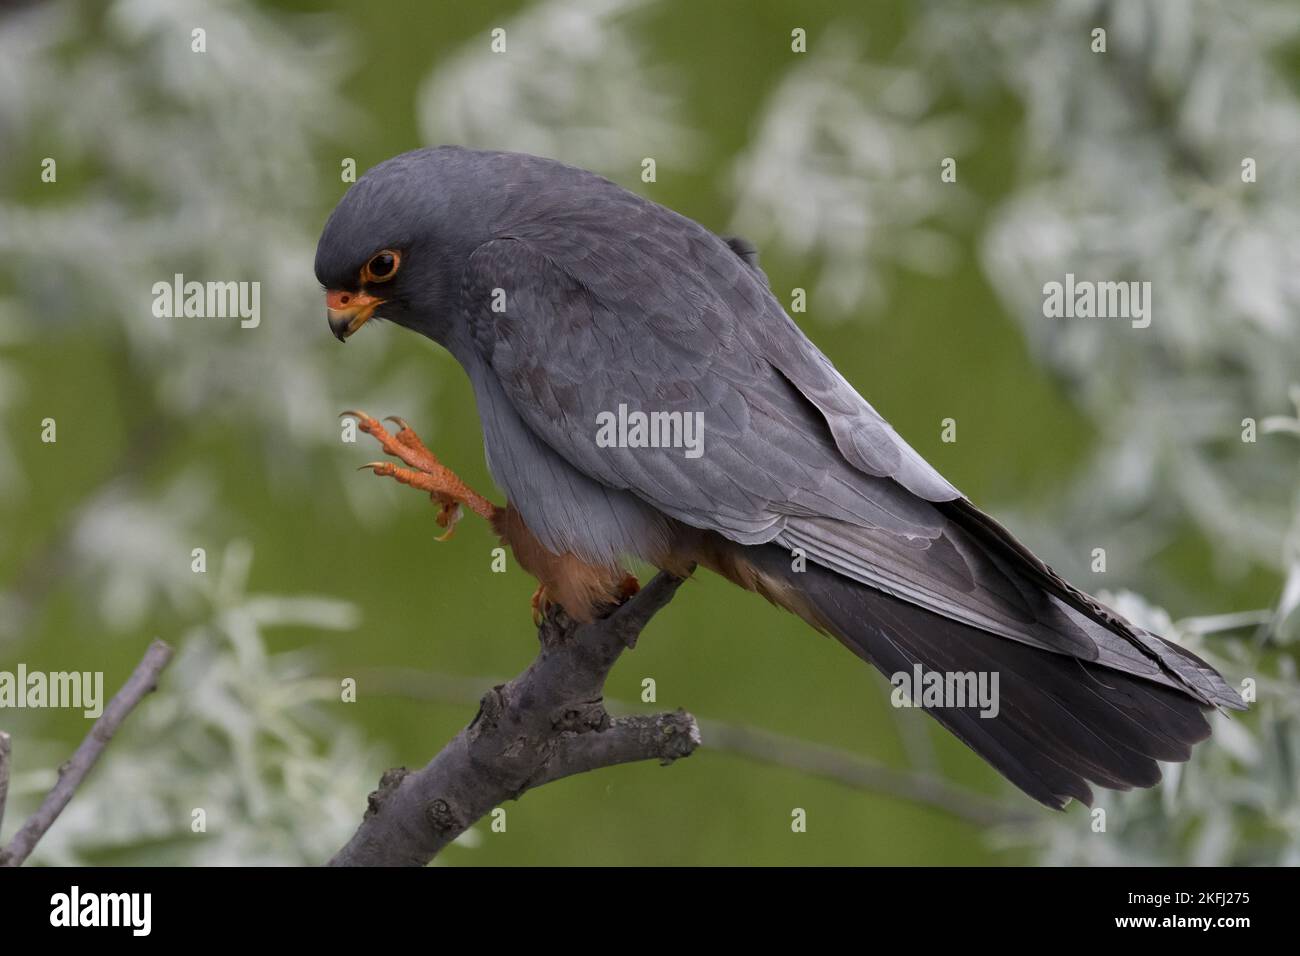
[628, 587]
[426, 472]
[581, 589]
[541, 603]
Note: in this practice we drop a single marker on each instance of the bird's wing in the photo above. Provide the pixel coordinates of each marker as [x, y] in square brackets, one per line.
[791, 453]
[566, 350]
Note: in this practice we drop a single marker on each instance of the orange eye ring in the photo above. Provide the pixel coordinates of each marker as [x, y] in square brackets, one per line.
[382, 266]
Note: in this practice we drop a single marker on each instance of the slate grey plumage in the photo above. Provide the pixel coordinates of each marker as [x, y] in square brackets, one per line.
[611, 299]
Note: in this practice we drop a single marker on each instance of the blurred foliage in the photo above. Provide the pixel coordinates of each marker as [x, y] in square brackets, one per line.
[176, 434]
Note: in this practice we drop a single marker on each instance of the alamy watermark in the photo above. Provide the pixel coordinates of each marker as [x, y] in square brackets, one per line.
[83, 690]
[975, 690]
[133, 911]
[1085, 299]
[637, 429]
[209, 300]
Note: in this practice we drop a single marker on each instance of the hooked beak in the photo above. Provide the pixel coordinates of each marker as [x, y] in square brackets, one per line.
[348, 311]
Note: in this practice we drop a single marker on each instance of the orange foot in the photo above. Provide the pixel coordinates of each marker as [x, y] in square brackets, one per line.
[426, 472]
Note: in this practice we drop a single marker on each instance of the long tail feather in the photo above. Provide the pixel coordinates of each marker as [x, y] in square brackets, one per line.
[1061, 722]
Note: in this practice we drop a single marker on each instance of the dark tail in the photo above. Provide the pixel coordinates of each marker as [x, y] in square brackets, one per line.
[1060, 723]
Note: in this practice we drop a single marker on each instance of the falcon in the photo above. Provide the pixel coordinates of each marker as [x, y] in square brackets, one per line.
[568, 299]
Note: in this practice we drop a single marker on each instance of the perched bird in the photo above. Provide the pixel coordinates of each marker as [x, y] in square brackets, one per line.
[568, 300]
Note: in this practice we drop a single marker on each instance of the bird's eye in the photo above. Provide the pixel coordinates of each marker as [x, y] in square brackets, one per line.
[381, 267]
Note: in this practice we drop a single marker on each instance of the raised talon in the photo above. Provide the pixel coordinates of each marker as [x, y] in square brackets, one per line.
[452, 495]
[407, 436]
[365, 422]
[416, 479]
[410, 476]
[426, 471]
[404, 445]
[448, 517]
[449, 512]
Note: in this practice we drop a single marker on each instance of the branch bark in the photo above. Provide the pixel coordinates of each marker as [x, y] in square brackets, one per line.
[549, 722]
[142, 680]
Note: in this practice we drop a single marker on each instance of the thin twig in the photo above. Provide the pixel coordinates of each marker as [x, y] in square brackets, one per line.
[1224, 623]
[861, 773]
[142, 680]
[5, 751]
[914, 734]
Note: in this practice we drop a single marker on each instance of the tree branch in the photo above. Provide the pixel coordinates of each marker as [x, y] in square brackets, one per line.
[664, 737]
[547, 723]
[925, 787]
[860, 773]
[142, 680]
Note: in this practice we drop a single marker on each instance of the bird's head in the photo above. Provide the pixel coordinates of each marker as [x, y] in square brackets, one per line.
[395, 242]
